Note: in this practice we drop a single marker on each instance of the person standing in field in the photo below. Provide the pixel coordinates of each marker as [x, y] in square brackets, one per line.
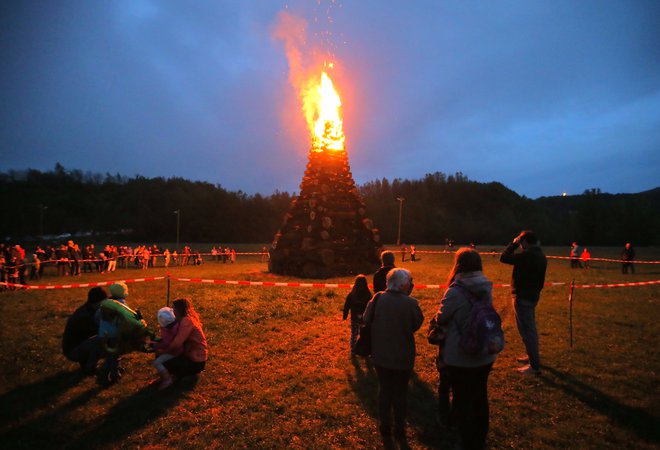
[585, 257]
[395, 316]
[387, 261]
[356, 302]
[529, 266]
[627, 256]
[468, 372]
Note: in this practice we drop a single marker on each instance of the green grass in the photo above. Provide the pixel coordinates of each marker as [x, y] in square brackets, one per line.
[279, 373]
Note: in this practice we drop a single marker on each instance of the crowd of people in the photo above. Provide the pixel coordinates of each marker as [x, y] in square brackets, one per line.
[104, 328]
[467, 350]
[70, 259]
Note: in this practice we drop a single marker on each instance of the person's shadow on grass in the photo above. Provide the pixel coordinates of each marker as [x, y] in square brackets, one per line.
[24, 400]
[133, 413]
[28, 418]
[422, 406]
[639, 421]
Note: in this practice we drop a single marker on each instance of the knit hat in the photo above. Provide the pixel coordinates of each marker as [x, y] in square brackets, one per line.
[165, 316]
[119, 290]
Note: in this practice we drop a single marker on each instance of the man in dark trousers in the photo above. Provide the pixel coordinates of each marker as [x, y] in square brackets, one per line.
[81, 342]
[529, 266]
[387, 261]
[628, 254]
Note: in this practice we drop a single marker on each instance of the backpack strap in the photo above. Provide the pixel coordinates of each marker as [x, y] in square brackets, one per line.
[469, 295]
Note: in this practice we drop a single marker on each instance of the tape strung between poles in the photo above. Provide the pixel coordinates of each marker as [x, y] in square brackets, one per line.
[295, 284]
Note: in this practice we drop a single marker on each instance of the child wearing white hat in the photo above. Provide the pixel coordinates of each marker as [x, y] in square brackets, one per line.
[169, 327]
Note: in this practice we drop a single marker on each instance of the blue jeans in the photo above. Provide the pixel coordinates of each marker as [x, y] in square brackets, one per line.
[526, 322]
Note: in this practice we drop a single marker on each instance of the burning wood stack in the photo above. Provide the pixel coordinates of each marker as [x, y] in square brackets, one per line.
[326, 231]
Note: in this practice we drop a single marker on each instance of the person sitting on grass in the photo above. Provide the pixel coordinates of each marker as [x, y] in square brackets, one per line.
[356, 301]
[189, 344]
[169, 327]
[80, 342]
[121, 331]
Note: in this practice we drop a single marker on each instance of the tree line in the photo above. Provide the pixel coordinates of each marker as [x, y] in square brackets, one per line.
[434, 208]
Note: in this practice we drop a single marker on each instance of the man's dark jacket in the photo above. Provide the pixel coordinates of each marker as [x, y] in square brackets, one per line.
[80, 327]
[380, 278]
[528, 270]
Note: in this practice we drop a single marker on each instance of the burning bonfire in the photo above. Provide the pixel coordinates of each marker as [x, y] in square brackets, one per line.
[326, 231]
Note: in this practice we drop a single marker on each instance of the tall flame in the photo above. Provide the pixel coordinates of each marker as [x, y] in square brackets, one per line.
[322, 108]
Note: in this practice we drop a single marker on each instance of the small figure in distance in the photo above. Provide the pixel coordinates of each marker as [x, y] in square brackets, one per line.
[585, 257]
[628, 255]
[356, 302]
[575, 255]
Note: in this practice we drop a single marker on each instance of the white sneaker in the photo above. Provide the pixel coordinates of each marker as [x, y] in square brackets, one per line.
[524, 359]
[529, 370]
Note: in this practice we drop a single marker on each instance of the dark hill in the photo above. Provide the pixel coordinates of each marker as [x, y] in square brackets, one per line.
[435, 208]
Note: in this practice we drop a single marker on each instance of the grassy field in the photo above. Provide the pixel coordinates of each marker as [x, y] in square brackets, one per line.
[280, 376]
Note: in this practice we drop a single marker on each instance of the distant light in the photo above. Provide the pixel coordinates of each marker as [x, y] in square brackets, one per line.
[564, 194]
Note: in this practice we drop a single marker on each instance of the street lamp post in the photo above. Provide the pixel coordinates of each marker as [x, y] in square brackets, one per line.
[398, 239]
[42, 208]
[178, 227]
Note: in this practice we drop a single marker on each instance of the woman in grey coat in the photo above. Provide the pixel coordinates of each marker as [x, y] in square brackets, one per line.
[394, 317]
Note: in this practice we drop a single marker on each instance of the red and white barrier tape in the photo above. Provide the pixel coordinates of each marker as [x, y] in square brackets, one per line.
[615, 285]
[79, 285]
[447, 252]
[303, 285]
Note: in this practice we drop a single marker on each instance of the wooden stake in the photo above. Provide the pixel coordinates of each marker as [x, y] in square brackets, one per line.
[168, 289]
[570, 310]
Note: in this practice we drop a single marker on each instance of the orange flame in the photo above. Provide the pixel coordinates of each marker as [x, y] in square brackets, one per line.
[322, 108]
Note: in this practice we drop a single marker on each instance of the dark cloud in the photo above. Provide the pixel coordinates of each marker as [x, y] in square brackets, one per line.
[544, 97]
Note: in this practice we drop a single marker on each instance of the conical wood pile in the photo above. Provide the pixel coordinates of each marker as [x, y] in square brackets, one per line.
[326, 231]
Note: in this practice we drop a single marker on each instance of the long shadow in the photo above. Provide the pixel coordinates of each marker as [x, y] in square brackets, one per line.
[25, 399]
[46, 430]
[131, 414]
[639, 421]
[422, 406]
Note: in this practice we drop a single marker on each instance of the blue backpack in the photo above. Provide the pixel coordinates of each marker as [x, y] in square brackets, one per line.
[483, 335]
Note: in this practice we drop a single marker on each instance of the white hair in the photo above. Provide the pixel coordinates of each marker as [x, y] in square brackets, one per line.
[398, 279]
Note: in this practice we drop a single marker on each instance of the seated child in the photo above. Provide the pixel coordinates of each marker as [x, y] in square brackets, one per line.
[168, 330]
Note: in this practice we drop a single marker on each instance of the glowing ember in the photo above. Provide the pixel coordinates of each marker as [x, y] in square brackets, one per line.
[321, 105]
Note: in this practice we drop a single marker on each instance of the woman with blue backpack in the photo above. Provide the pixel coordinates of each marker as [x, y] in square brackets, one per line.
[473, 339]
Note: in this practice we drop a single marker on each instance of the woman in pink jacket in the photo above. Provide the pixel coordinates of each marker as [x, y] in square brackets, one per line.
[189, 344]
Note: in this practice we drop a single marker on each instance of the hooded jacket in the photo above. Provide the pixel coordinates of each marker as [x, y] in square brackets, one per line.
[454, 314]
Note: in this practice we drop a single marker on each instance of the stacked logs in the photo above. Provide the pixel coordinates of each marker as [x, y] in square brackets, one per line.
[326, 231]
